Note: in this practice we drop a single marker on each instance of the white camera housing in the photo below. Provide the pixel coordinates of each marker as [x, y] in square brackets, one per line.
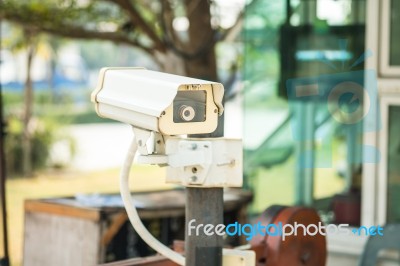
[149, 100]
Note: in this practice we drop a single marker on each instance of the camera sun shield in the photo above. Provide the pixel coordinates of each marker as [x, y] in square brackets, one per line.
[193, 109]
[160, 102]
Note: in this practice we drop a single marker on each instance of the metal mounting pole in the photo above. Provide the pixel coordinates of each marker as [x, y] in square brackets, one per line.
[206, 205]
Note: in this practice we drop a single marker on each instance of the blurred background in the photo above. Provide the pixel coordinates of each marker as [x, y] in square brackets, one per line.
[55, 145]
[51, 54]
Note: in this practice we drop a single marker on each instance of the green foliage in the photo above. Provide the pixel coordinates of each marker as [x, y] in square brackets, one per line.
[60, 13]
[13, 38]
[89, 116]
[41, 140]
[105, 20]
[112, 55]
[46, 128]
[12, 99]
[44, 132]
[261, 60]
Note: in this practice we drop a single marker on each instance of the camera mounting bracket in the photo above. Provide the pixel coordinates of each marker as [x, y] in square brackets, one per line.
[196, 162]
[149, 142]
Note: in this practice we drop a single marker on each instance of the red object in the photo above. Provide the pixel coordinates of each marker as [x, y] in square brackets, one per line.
[347, 208]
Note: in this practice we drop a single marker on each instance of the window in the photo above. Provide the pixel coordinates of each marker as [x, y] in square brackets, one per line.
[393, 170]
[389, 169]
[390, 48]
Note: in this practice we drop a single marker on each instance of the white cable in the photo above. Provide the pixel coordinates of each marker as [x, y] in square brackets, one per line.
[133, 214]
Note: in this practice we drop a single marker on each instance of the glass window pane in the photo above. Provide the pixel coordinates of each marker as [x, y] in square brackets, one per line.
[394, 59]
[393, 200]
[303, 41]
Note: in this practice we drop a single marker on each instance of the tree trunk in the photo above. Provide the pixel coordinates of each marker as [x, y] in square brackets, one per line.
[197, 57]
[28, 101]
[170, 62]
[201, 41]
[51, 80]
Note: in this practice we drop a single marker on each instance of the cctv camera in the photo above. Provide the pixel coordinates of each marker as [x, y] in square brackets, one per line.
[156, 101]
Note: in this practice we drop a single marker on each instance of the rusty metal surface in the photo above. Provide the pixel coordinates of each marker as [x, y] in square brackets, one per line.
[294, 250]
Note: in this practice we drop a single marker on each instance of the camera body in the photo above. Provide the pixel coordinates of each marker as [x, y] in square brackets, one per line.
[160, 102]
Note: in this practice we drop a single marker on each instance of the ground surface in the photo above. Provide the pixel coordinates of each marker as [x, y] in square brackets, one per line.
[68, 183]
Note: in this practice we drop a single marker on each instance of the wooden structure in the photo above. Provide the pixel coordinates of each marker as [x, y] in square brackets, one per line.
[271, 250]
[92, 229]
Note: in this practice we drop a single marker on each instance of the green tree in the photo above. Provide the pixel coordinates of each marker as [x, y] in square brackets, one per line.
[19, 40]
[31, 42]
[148, 25]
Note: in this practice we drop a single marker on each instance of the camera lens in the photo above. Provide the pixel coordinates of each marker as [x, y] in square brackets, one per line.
[187, 113]
[189, 107]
